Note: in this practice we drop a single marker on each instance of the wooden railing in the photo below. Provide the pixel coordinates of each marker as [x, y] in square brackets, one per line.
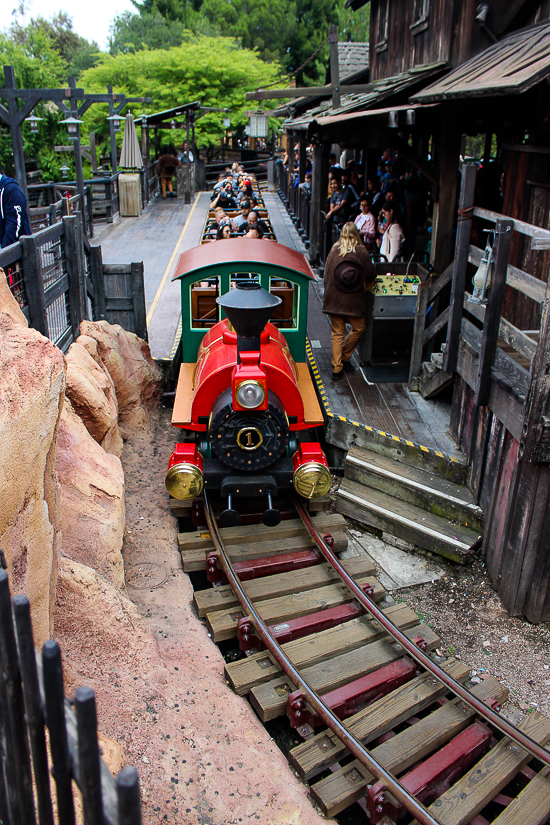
[59, 280]
[32, 701]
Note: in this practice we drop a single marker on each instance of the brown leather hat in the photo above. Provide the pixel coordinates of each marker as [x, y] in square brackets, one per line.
[349, 276]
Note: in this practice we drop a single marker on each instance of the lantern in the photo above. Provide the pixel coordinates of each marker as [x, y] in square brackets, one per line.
[173, 124]
[33, 120]
[226, 123]
[259, 124]
[115, 120]
[72, 124]
[64, 171]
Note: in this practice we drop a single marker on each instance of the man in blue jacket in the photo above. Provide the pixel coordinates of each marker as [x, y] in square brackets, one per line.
[14, 218]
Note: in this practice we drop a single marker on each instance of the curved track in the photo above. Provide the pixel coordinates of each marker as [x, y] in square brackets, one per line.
[468, 763]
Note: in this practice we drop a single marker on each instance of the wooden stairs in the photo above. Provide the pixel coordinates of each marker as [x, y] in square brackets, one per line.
[433, 378]
[410, 501]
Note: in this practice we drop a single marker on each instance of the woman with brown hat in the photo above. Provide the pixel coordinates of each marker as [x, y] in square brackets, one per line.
[349, 272]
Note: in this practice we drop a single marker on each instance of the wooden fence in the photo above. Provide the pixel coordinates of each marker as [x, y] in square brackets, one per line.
[32, 700]
[59, 280]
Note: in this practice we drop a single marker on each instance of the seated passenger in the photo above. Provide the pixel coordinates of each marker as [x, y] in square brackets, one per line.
[224, 230]
[254, 220]
[241, 220]
[225, 199]
[392, 232]
[254, 231]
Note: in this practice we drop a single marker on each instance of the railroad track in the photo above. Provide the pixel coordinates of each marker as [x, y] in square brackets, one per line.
[382, 724]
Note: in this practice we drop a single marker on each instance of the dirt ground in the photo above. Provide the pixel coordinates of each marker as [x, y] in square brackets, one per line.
[465, 611]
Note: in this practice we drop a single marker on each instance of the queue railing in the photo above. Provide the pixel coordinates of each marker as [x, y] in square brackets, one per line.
[39, 727]
[59, 280]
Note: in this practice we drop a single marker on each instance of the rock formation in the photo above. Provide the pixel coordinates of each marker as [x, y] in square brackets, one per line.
[128, 361]
[32, 383]
[92, 394]
[92, 499]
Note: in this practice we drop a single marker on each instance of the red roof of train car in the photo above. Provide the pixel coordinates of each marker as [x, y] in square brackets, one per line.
[242, 250]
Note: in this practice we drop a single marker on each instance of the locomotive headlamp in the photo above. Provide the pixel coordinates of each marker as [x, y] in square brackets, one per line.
[312, 477]
[250, 394]
[185, 479]
[312, 480]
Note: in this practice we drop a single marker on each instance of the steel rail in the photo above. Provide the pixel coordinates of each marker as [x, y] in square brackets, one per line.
[356, 748]
[418, 655]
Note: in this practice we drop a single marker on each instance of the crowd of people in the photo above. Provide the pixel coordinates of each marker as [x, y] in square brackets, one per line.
[388, 205]
[234, 191]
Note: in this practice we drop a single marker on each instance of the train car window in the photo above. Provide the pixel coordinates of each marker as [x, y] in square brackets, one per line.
[243, 276]
[204, 309]
[285, 315]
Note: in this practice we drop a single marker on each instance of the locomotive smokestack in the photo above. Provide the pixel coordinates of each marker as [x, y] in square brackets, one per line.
[248, 308]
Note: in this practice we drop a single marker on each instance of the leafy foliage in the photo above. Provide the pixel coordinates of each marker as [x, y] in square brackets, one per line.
[213, 70]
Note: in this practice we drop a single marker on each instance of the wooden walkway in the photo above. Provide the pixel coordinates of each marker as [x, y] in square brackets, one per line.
[165, 229]
[387, 407]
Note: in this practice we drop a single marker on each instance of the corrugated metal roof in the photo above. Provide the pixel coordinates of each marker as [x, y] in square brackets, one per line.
[509, 67]
[382, 89]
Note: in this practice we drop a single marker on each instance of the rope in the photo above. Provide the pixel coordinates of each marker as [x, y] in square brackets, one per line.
[299, 69]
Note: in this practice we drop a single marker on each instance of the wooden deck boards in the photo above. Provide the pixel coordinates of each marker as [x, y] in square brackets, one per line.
[390, 407]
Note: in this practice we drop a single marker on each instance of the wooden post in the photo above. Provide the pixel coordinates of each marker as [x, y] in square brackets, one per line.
[460, 267]
[34, 284]
[334, 66]
[187, 162]
[70, 241]
[315, 207]
[444, 208]
[418, 334]
[489, 337]
[138, 298]
[112, 133]
[78, 155]
[96, 275]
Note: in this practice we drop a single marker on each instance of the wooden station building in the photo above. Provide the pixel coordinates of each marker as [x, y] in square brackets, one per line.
[441, 70]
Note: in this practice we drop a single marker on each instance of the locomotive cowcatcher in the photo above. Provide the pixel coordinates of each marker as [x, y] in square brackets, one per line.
[245, 398]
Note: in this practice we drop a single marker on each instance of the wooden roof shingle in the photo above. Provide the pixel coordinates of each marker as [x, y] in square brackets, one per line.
[510, 66]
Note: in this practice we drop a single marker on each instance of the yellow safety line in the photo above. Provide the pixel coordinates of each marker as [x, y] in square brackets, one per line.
[170, 262]
[321, 388]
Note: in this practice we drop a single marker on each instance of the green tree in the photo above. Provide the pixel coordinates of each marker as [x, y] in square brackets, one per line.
[354, 25]
[77, 52]
[213, 70]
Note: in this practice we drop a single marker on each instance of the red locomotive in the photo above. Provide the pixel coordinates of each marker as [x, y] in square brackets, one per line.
[246, 401]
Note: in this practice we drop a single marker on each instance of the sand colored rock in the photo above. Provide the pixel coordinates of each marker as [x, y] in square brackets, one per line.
[92, 498]
[32, 381]
[128, 361]
[91, 392]
[8, 304]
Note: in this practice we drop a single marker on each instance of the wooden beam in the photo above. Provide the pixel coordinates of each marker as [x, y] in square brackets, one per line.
[489, 336]
[310, 91]
[448, 150]
[460, 266]
[334, 66]
[414, 158]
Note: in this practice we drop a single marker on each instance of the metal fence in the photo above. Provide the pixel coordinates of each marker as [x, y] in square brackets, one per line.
[59, 280]
[32, 701]
[297, 201]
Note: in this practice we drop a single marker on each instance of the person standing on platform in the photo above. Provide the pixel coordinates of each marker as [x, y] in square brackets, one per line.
[166, 169]
[14, 217]
[349, 273]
